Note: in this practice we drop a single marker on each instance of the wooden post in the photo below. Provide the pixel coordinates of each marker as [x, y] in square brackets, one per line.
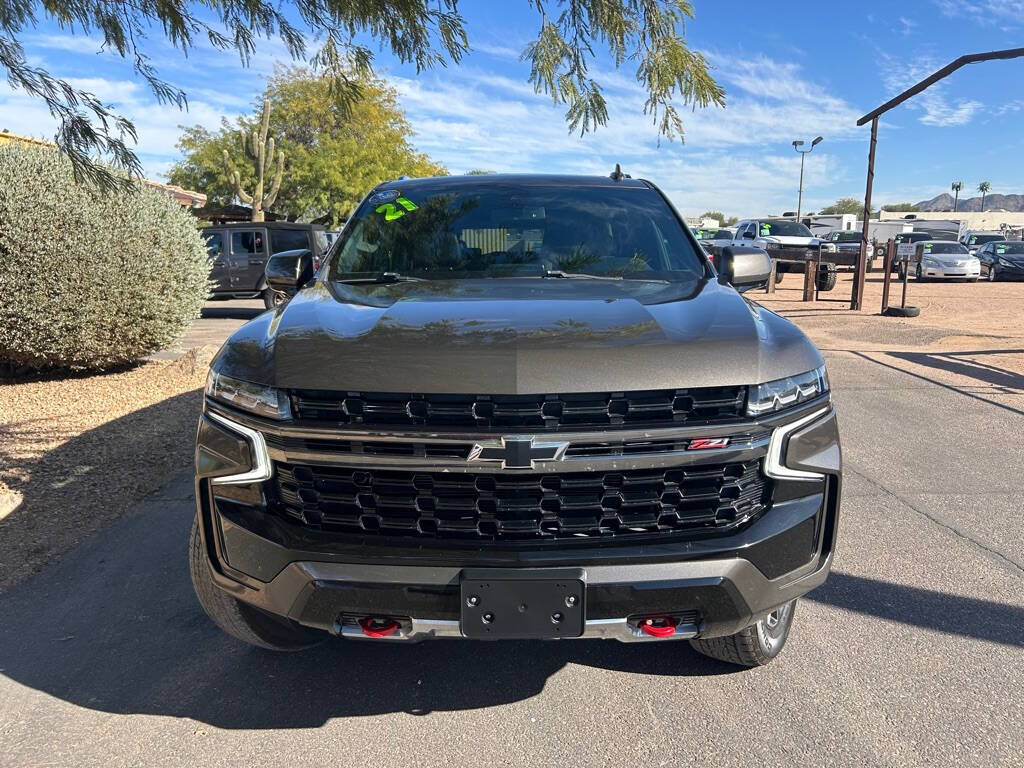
[770, 288]
[890, 256]
[857, 297]
[810, 278]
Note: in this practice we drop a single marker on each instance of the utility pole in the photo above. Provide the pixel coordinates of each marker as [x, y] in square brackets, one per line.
[803, 153]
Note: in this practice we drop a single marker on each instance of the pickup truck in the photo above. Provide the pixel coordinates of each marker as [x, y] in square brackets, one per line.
[785, 238]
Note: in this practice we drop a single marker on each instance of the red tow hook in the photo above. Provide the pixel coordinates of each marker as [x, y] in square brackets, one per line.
[659, 626]
[373, 627]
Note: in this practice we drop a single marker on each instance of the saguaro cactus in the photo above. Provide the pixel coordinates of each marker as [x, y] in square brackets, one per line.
[260, 148]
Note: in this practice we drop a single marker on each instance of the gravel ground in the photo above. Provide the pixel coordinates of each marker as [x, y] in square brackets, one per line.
[77, 452]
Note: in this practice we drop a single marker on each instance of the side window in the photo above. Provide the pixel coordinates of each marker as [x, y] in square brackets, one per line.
[247, 243]
[288, 240]
[215, 244]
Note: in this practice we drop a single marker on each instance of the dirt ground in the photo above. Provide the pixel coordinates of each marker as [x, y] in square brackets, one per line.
[77, 452]
[968, 335]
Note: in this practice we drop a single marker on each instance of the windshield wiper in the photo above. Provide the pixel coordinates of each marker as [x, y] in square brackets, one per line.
[583, 275]
[570, 275]
[384, 277]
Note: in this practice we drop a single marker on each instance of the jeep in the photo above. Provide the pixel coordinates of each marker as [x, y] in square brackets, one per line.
[239, 253]
[516, 407]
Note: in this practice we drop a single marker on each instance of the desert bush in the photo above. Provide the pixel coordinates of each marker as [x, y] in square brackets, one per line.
[88, 279]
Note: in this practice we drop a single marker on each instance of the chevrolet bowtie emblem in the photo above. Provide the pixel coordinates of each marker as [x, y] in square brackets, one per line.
[517, 452]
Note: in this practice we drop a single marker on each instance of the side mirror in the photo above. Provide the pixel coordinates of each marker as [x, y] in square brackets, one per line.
[744, 267]
[748, 235]
[289, 271]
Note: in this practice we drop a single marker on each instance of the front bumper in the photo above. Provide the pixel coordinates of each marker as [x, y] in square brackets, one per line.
[951, 272]
[712, 585]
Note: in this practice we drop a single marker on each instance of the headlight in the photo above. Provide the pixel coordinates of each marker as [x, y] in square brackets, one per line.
[785, 393]
[770, 246]
[255, 398]
[1004, 262]
[931, 263]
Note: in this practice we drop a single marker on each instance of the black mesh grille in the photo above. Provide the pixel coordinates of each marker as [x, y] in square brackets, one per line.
[655, 408]
[514, 506]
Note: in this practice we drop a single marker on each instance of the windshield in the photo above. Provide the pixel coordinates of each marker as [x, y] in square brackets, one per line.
[982, 239]
[847, 237]
[447, 230]
[1016, 248]
[783, 228]
[944, 248]
[912, 237]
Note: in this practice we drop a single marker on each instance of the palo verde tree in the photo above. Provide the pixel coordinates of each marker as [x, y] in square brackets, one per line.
[260, 148]
[335, 151]
[648, 34]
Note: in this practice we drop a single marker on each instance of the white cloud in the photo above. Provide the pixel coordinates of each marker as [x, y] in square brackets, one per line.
[1006, 14]
[156, 125]
[935, 104]
[66, 43]
[468, 119]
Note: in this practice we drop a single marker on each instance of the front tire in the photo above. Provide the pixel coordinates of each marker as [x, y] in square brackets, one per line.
[239, 619]
[754, 646]
[991, 274]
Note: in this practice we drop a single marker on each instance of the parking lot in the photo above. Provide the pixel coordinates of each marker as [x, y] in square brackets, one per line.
[912, 653]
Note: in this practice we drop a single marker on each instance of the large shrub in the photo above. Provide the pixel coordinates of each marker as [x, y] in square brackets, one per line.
[90, 280]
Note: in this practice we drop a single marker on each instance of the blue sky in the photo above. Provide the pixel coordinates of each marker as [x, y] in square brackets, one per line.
[791, 71]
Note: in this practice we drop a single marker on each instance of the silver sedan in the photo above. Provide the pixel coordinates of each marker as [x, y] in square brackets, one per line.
[945, 260]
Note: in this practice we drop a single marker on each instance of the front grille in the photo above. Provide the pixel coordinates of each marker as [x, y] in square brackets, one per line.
[668, 407]
[523, 507]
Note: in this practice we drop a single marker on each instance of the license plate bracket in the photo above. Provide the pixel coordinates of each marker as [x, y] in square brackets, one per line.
[501, 605]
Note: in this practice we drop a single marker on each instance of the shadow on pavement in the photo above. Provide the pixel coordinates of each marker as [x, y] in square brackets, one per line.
[961, 364]
[936, 382]
[925, 608]
[66, 493]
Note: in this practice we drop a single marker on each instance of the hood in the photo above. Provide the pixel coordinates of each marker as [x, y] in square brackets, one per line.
[949, 258]
[515, 337]
[790, 239]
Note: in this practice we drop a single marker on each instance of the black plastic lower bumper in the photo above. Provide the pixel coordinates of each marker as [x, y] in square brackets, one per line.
[726, 583]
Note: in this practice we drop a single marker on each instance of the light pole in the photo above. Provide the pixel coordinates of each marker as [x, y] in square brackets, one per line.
[803, 152]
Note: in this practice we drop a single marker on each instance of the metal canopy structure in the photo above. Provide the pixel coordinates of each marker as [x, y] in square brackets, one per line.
[857, 297]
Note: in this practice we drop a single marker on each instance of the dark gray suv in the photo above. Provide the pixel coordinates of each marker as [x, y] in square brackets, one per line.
[516, 407]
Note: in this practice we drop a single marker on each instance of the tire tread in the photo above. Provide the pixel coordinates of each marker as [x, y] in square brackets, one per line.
[234, 617]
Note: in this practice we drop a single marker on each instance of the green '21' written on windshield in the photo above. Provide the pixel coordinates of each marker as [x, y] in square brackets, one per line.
[392, 211]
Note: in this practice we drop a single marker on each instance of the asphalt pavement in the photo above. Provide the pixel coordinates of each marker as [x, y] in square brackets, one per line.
[911, 654]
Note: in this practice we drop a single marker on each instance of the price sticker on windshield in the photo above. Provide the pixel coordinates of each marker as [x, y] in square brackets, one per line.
[766, 229]
[1000, 249]
[397, 209]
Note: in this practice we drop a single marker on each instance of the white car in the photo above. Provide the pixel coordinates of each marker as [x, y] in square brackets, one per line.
[944, 259]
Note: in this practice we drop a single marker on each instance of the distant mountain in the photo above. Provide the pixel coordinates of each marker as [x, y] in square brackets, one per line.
[944, 202]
